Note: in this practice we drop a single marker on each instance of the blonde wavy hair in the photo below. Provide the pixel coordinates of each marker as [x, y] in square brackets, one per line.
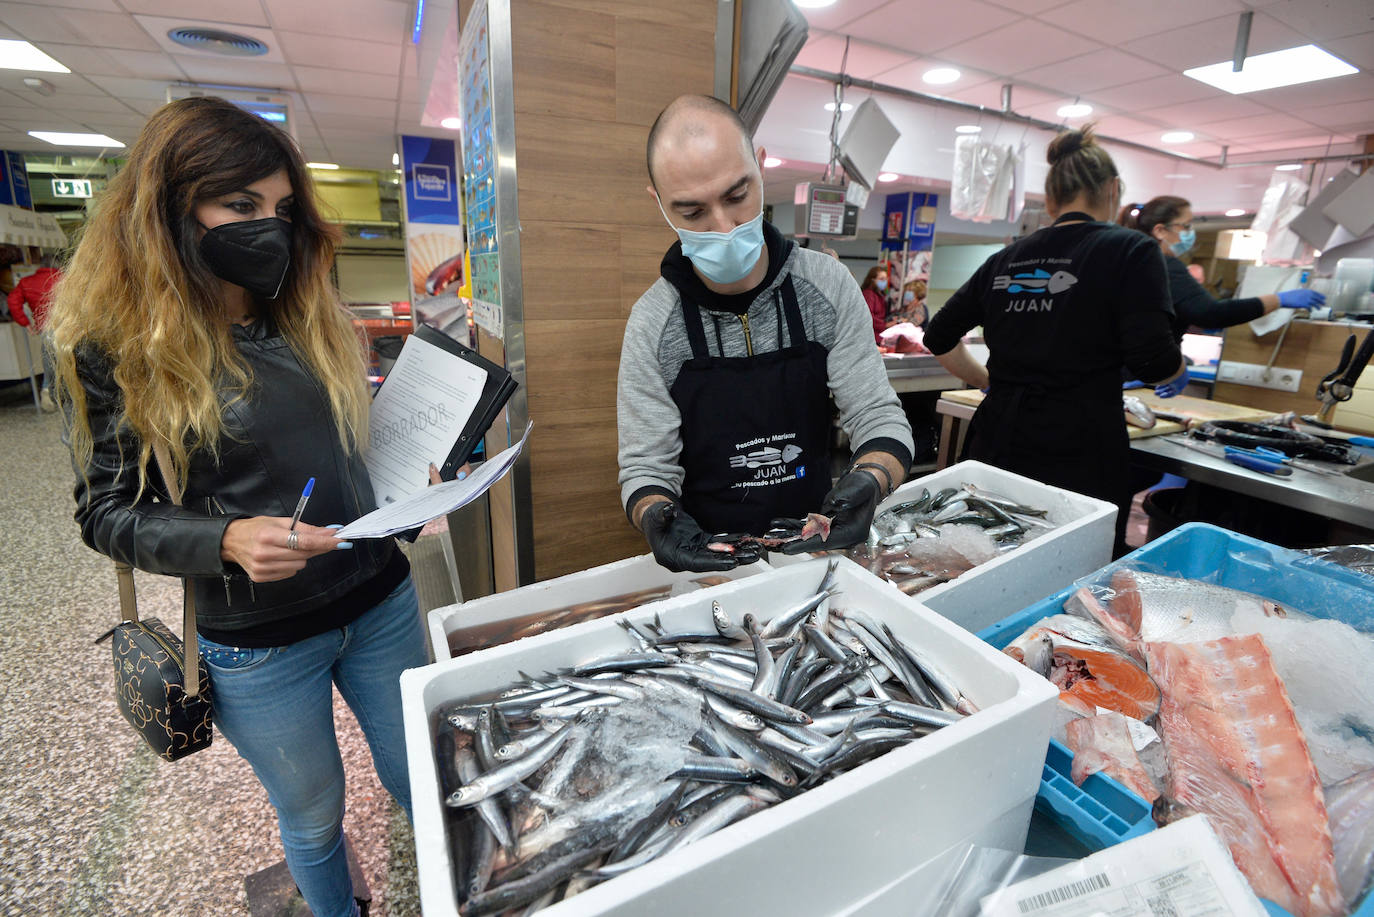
[138, 294]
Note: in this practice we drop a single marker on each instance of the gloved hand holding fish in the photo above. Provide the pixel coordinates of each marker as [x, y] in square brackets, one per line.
[936, 537]
[574, 777]
[1256, 706]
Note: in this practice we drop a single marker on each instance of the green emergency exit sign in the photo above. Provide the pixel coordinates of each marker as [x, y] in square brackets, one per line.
[71, 187]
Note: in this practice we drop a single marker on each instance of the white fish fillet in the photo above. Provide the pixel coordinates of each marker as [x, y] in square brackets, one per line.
[1236, 753]
[1103, 743]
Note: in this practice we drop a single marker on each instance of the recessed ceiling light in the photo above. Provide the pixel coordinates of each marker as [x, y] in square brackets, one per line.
[1302, 64]
[1178, 175]
[327, 166]
[1288, 167]
[814, 4]
[968, 129]
[20, 55]
[1076, 110]
[1177, 136]
[64, 138]
[1236, 212]
[940, 75]
[888, 176]
[771, 162]
[395, 159]
[844, 106]
[452, 124]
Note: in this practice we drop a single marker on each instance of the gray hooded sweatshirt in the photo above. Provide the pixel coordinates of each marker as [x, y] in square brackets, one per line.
[656, 347]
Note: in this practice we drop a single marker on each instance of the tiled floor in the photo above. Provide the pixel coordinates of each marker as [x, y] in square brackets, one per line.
[92, 822]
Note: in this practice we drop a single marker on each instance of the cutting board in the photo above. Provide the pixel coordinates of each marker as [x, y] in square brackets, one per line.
[1200, 409]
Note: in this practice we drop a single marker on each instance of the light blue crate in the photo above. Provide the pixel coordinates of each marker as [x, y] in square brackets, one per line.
[1103, 812]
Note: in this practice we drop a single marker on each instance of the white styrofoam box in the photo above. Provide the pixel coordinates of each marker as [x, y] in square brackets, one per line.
[1080, 543]
[595, 584]
[835, 844]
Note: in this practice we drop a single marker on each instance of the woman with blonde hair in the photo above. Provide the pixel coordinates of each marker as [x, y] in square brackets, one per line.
[197, 318]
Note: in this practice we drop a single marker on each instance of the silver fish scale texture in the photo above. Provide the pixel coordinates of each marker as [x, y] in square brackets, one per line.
[93, 822]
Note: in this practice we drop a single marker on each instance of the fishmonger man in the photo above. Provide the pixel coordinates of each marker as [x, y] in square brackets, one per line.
[730, 360]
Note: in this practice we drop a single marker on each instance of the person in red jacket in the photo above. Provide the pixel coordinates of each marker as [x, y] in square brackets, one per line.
[874, 289]
[35, 291]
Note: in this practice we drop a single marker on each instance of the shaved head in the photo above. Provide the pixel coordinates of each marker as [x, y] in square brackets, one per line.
[689, 118]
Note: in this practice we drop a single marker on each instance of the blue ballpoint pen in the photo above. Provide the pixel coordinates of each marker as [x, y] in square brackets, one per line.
[300, 504]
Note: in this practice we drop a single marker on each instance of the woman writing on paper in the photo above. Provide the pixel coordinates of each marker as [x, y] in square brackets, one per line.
[198, 316]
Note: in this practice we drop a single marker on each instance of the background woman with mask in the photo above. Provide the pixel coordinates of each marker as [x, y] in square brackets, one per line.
[1169, 221]
[874, 289]
[197, 316]
[1062, 311]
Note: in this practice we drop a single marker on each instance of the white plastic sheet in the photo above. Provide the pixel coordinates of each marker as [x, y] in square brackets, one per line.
[981, 187]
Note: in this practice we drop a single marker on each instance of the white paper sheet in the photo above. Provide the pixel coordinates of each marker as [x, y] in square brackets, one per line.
[417, 416]
[435, 501]
[1181, 869]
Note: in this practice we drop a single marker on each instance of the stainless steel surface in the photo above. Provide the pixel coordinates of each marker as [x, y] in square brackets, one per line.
[1348, 498]
[927, 99]
[512, 288]
[921, 373]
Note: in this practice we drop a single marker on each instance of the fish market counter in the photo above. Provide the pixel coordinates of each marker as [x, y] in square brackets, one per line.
[911, 372]
[1345, 497]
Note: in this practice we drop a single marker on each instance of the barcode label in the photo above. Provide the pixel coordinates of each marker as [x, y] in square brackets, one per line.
[1063, 893]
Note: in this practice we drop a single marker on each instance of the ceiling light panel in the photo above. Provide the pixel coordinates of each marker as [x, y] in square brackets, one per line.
[66, 138]
[1303, 64]
[20, 55]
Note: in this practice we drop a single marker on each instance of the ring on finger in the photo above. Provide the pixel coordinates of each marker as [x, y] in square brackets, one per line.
[293, 541]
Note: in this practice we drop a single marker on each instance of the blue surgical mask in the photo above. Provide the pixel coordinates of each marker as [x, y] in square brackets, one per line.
[881, 285]
[908, 297]
[722, 257]
[1186, 240]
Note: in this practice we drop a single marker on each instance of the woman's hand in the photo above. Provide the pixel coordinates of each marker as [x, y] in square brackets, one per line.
[258, 545]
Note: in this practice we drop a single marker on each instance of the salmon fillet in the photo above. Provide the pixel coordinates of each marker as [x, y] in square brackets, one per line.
[1103, 743]
[1089, 677]
[1237, 754]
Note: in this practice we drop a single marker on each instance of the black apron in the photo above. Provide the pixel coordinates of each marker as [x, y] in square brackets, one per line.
[1072, 437]
[755, 430]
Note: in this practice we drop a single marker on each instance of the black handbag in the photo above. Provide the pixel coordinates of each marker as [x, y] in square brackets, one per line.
[159, 687]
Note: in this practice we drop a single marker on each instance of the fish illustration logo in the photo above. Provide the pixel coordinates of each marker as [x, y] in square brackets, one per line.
[768, 455]
[1037, 281]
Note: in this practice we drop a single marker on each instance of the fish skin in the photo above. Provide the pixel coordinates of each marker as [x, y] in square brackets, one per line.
[1237, 754]
[1120, 619]
[1088, 667]
[1175, 610]
[1103, 743]
[1350, 808]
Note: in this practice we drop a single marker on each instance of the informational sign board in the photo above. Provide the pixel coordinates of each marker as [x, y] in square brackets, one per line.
[479, 168]
[910, 218]
[71, 187]
[434, 228]
[14, 181]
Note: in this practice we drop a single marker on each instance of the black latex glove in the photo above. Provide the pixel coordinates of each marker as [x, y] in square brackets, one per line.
[850, 506]
[679, 543]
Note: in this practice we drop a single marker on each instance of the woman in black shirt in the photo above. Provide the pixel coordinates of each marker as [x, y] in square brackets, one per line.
[1169, 221]
[1062, 311]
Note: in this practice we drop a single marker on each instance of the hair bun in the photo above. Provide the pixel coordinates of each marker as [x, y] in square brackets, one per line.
[1070, 142]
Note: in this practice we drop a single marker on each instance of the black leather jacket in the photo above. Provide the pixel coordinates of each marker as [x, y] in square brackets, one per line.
[275, 439]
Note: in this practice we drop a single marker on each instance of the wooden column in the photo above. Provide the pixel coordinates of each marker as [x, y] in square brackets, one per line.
[590, 77]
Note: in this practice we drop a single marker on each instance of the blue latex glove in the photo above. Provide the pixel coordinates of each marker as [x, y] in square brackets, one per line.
[1301, 299]
[1134, 383]
[1172, 387]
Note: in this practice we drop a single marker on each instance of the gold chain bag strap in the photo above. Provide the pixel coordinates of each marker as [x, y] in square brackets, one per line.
[159, 685]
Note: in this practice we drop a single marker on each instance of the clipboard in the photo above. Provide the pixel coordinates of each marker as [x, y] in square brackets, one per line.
[496, 391]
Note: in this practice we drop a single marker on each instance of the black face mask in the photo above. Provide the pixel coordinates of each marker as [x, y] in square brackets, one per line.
[254, 254]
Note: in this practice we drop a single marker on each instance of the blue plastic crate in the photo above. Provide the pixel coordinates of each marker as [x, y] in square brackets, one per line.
[1103, 812]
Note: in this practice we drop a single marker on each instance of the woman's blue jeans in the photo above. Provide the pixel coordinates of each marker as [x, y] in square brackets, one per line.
[276, 707]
